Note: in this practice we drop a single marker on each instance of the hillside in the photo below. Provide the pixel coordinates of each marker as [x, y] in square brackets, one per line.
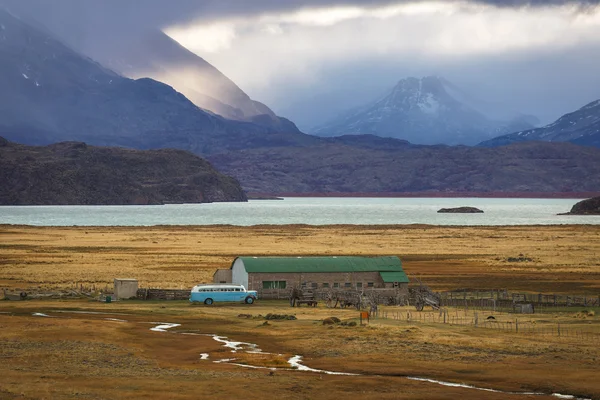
[381, 167]
[154, 54]
[75, 173]
[579, 127]
[51, 93]
[421, 111]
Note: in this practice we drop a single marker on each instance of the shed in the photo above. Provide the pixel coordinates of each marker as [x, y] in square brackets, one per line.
[125, 288]
[350, 272]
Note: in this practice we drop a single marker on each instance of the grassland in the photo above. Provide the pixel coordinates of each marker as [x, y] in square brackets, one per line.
[564, 259]
[80, 355]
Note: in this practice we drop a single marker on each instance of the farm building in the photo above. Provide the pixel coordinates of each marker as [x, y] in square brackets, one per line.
[266, 274]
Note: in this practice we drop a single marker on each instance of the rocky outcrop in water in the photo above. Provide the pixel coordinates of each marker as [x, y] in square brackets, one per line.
[461, 210]
[586, 207]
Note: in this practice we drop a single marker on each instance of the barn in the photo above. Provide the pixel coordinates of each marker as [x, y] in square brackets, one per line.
[271, 274]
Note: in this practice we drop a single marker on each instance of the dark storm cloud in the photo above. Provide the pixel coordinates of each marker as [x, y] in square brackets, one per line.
[160, 13]
[81, 21]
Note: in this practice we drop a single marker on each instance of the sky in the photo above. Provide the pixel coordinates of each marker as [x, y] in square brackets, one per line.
[310, 60]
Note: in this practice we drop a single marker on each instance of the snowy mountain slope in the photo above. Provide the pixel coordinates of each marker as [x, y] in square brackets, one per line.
[145, 52]
[421, 111]
[579, 127]
[50, 93]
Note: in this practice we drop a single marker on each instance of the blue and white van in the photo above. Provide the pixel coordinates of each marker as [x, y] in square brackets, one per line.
[208, 294]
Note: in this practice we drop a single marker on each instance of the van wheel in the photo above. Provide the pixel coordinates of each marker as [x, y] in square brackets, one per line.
[208, 302]
[249, 300]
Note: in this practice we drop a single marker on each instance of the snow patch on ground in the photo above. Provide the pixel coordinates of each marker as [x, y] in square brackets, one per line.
[163, 326]
[37, 314]
[237, 346]
[296, 363]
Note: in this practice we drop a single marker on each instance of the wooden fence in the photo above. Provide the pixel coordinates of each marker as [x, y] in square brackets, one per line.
[163, 294]
[504, 300]
[498, 322]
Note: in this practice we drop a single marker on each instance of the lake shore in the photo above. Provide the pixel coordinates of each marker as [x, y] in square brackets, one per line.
[450, 195]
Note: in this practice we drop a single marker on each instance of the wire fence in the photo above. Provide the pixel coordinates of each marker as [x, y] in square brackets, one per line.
[584, 327]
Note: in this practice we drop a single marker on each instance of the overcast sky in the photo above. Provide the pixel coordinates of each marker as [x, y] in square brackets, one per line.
[311, 59]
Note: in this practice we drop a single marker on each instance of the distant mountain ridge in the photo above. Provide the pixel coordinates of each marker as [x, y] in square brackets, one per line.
[579, 127]
[350, 165]
[75, 173]
[156, 55]
[421, 111]
[151, 53]
[51, 93]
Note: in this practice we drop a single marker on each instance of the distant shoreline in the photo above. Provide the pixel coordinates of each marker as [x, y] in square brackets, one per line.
[498, 195]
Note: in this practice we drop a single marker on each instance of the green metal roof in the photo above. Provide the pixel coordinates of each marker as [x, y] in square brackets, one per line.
[390, 264]
[389, 277]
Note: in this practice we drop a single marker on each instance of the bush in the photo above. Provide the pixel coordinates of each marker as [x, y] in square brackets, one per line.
[331, 321]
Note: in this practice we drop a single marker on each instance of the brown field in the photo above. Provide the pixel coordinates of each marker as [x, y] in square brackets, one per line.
[74, 355]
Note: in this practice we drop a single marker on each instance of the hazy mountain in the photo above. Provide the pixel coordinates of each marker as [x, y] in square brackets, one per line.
[51, 93]
[579, 127]
[350, 165]
[75, 173]
[154, 54]
[421, 111]
[144, 52]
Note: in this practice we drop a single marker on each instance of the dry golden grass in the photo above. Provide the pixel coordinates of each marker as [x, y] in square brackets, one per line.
[564, 259]
[84, 355]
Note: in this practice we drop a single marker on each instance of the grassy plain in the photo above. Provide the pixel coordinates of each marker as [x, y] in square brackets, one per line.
[564, 259]
[81, 355]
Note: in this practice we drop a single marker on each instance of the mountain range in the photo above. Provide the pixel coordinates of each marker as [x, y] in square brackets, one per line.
[579, 127]
[370, 164]
[422, 111]
[52, 93]
[155, 55]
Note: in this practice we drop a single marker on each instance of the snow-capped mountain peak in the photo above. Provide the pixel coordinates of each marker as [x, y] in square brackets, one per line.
[420, 110]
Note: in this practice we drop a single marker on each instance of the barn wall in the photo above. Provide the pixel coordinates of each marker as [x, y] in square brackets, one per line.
[222, 276]
[255, 280]
[239, 276]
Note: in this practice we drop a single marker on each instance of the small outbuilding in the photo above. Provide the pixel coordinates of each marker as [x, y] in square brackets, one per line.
[125, 288]
[270, 274]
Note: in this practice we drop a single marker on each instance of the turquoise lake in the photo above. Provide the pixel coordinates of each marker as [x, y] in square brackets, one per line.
[311, 211]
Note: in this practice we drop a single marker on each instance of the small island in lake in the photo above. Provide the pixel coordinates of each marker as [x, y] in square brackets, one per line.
[461, 210]
[585, 207]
